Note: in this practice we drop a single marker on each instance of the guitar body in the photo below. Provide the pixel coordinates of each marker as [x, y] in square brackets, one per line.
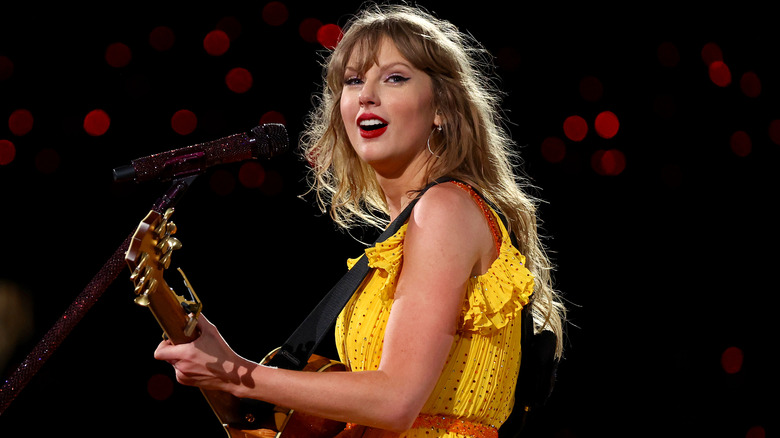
[148, 256]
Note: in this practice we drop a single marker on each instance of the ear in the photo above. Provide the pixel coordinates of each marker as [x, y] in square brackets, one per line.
[438, 119]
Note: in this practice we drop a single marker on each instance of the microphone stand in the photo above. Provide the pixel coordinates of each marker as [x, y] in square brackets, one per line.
[85, 300]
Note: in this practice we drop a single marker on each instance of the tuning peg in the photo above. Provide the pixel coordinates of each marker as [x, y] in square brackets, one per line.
[142, 300]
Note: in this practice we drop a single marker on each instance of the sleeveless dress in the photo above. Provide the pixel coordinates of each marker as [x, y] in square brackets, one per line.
[475, 392]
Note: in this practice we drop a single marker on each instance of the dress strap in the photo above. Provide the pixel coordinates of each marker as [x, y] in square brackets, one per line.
[495, 230]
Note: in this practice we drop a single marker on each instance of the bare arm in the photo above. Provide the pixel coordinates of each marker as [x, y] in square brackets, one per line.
[446, 239]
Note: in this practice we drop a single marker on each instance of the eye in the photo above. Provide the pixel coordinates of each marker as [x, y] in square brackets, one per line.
[397, 78]
[353, 80]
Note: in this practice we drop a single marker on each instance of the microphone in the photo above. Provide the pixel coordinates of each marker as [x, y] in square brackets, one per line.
[263, 141]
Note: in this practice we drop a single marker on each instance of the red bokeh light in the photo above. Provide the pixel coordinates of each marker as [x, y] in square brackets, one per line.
[741, 144]
[118, 55]
[774, 131]
[750, 84]
[756, 432]
[184, 122]
[7, 152]
[308, 29]
[216, 43]
[329, 35]
[553, 149]
[239, 80]
[160, 387]
[720, 74]
[273, 117]
[251, 174]
[47, 160]
[97, 122]
[275, 13]
[711, 53]
[668, 55]
[6, 68]
[608, 163]
[607, 124]
[575, 128]
[161, 38]
[731, 360]
[20, 122]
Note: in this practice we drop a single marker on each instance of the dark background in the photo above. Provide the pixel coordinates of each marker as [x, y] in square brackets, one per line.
[666, 265]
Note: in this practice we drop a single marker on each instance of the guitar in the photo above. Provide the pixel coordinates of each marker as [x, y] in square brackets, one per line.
[148, 256]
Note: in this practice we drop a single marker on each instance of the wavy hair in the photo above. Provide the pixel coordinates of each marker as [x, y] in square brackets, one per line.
[473, 145]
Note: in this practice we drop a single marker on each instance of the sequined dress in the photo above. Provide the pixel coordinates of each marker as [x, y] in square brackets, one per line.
[478, 381]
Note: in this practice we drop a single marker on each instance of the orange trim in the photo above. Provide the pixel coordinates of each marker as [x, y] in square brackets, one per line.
[486, 211]
[455, 425]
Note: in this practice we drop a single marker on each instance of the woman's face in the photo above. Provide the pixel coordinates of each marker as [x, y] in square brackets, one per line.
[388, 111]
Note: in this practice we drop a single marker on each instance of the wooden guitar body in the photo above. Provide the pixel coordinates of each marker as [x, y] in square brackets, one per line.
[148, 256]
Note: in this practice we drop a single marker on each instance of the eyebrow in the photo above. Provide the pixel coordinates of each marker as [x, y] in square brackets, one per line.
[384, 67]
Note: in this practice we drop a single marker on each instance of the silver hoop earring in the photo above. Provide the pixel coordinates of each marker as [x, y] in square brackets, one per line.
[437, 128]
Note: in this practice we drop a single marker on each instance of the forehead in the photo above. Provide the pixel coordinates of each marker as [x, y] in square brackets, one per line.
[374, 51]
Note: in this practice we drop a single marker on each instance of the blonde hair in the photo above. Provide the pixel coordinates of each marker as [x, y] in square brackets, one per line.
[472, 146]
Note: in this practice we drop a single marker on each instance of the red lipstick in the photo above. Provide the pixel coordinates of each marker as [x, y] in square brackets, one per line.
[371, 126]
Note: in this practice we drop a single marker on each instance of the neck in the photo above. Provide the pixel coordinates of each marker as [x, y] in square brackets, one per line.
[400, 190]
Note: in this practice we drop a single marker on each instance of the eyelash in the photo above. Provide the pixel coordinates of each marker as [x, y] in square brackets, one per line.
[393, 78]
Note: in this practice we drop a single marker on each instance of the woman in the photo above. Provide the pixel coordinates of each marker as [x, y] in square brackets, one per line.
[433, 336]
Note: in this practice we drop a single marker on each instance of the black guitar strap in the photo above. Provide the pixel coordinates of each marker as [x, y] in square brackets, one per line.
[295, 352]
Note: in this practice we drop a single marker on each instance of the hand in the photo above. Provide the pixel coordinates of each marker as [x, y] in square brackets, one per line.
[207, 362]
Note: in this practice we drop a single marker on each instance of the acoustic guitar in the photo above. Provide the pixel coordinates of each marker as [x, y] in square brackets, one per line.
[148, 256]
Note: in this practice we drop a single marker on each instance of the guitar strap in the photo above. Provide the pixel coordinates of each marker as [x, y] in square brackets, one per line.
[295, 352]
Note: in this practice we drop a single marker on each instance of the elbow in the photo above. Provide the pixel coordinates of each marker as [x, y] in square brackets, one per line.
[400, 416]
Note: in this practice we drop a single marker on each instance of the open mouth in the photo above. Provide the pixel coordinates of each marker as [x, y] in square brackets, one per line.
[372, 127]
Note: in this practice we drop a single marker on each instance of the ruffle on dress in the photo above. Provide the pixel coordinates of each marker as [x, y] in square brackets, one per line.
[495, 298]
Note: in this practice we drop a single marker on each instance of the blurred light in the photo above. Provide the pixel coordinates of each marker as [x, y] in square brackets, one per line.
[668, 55]
[750, 84]
[711, 53]
[575, 128]
[222, 182]
[774, 131]
[184, 122]
[20, 122]
[6, 68]
[47, 161]
[720, 74]
[608, 163]
[251, 174]
[7, 152]
[239, 80]
[756, 432]
[731, 360]
[231, 26]
[275, 13]
[607, 124]
[97, 122]
[741, 144]
[329, 35]
[216, 43]
[161, 38]
[160, 387]
[553, 149]
[308, 29]
[273, 117]
[591, 88]
[118, 55]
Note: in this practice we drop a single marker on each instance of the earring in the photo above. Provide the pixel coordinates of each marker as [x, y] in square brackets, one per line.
[437, 128]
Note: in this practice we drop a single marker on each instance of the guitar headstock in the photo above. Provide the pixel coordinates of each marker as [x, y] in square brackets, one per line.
[148, 256]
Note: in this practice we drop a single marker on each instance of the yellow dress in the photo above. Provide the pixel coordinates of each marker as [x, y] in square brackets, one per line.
[479, 378]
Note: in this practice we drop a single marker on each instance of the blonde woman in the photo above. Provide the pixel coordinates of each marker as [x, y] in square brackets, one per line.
[432, 337]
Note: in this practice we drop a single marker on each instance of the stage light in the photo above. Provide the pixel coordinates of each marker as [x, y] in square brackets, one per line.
[731, 360]
[161, 38]
[251, 174]
[216, 43]
[273, 117]
[20, 122]
[308, 29]
[553, 149]
[6, 68]
[575, 128]
[275, 13]
[750, 84]
[184, 122]
[774, 131]
[97, 122]
[741, 144]
[607, 124]
[711, 53]
[7, 152]
[329, 35]
[118, 55]
[720, 74]
[608, 162]
[239, 80]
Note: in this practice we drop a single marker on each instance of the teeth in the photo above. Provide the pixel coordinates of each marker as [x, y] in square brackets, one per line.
[371, 123]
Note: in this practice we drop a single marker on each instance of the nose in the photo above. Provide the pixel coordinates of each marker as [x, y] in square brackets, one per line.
[368, 95]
